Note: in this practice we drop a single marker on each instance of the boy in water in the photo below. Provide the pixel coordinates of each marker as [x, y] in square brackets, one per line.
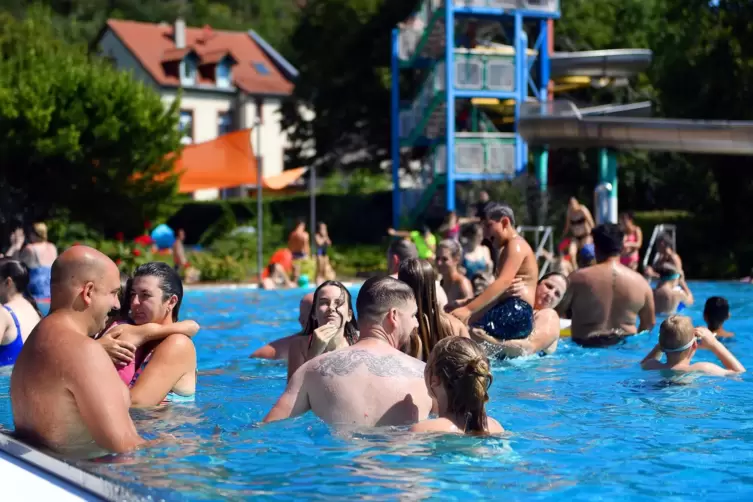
[679, 341]
[715, 313]
[496, 310]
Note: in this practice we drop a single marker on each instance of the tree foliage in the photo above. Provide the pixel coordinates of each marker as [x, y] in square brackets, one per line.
[78, 135]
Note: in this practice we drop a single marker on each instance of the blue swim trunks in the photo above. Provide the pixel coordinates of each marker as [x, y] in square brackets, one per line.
[511, 319]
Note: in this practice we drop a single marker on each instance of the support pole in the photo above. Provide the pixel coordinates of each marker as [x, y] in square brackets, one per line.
[541, 164]
[259, 205]
[449, 66]
[521, 87]
[612, 180]
[395, 132]
[312, 205]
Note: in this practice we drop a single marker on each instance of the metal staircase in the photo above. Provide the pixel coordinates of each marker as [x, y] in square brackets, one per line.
[442, 39]
[660, 229]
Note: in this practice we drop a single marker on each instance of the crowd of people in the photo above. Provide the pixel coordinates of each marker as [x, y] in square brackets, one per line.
[415, 351]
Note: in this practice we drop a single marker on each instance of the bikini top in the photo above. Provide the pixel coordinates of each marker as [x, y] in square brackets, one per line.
[9, 352]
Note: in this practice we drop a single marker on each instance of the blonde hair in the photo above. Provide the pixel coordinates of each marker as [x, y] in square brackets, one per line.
[453, 246]
[675, 331]
[463, 369]
[41, 230]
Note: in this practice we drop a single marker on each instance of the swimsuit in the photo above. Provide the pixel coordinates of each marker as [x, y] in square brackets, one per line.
[321, 250]
[39, 279]
[9, 353]
[299, 255]
[631, 258]
[171, 396]
[453, 233]
[473, 267]
[511, 319]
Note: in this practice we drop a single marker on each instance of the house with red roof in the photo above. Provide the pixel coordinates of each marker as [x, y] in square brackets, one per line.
[229, 80]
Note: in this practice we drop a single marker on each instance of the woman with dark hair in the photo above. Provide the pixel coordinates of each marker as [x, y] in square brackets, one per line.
[168, 372]
[546, 322]
[331, 325]
[433, 324]
[19, 314]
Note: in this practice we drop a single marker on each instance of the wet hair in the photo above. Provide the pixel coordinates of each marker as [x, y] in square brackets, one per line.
[607, 240]
[380, 294]
[675, 332]
[124, 298]
[716, 311]
[419, 275]
[453, 246]
[18, 273]
[403, 249]
[665, 239]
[495, 211]
[351, 327]
[463, 369]
[169, 281]
[554, 274]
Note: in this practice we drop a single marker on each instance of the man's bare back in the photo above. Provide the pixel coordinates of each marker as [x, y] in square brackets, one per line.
[608, 296]
[368, 384]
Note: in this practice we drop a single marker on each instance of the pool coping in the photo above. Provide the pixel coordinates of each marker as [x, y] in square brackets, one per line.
[199, 287]
[64, 475]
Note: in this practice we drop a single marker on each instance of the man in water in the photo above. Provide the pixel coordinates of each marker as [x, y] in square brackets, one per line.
[401, 250]
[65, 392]
[605, 299]
[280, 348]
[370, 383]
[679, 341]
[671, 290]
[502, 315]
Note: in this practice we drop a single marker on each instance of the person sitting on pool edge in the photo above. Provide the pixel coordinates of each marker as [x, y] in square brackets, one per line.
[545, 336]
[331, 325]
[370, 383]
[401, 250]
[64, 392]
[168, 372]
[679, 341]
[458, 377]
[605, 299]
[715, 314]
[499, 313]
[671, 294]
[280, 348]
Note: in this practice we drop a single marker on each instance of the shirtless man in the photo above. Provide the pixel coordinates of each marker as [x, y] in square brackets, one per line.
[370, 383]
[65, 392]
[679, 341]
[279, 349]
[299, 246]
[179, 252]
[605, 299]
[501, 314]
[401, 250]
[667, 296]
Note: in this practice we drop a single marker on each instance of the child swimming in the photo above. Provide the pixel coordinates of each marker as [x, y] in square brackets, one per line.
[458, 378]
[716, 313]
[496, 310]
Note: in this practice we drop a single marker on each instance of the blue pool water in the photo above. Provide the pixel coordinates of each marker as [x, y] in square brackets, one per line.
[583, 425]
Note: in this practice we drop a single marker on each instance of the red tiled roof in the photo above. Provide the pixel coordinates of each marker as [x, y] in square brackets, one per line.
[153, 44]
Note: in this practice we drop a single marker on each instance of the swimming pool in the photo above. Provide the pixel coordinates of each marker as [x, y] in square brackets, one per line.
[583, 425]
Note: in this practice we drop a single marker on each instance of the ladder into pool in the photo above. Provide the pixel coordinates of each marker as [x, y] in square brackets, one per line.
[543, 244]
[660, 229]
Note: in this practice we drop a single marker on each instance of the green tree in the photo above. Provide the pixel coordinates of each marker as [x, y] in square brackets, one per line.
[77, 135]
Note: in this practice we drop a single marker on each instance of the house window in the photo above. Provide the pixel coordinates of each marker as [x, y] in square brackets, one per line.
[224, 123]
[261, 68]
[185, 126]
[223, 74]
[260, 110]
[188, 71]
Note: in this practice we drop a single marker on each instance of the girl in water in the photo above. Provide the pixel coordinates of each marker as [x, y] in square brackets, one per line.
[477, 258]
[433, 324]
[457, 286]
[632, 243]
[19, 313]
[458, 377]
[331, 325]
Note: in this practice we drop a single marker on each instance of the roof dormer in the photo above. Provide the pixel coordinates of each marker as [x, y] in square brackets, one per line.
[218, 65]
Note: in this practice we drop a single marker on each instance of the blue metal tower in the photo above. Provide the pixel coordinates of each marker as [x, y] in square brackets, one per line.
[440, 39]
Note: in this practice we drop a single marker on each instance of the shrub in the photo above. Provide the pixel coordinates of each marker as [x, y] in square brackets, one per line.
[217, 269]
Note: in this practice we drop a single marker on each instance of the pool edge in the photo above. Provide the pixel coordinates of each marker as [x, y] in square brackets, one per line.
[67, 477]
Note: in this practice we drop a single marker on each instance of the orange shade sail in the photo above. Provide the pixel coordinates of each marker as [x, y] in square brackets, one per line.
[226, 162]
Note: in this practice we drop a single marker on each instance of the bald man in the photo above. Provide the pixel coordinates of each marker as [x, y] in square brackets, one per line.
[65, 392]
[279, 349]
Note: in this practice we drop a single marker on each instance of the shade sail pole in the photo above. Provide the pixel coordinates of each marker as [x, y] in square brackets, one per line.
[312, 206]
[259, 206]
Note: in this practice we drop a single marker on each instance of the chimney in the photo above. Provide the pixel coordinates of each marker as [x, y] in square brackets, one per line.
[180, 33]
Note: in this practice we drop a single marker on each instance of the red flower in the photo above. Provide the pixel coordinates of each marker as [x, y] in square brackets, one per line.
[144, 240]
[119, 236]
[118, 261]
[136, 252]
[147, 225]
